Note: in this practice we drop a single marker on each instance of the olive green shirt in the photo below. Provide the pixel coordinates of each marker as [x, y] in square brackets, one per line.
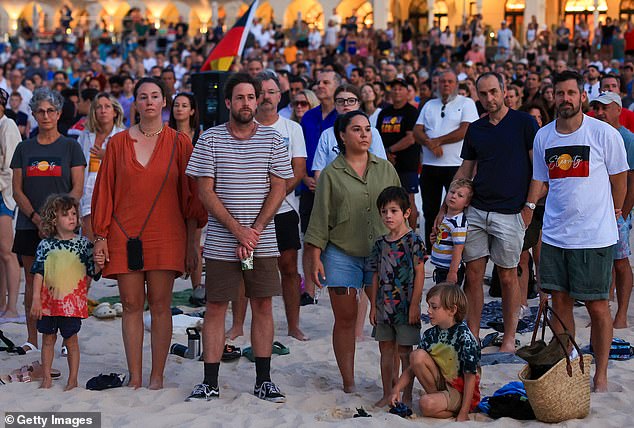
[345, 212]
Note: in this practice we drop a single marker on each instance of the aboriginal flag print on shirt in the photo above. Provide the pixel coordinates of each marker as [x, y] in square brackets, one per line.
[568, 161]
[49, 167]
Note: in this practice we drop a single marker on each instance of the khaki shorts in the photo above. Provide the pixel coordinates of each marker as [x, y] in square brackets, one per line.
[453, 396]
[223, 279]
[499, 236]
[402, 334]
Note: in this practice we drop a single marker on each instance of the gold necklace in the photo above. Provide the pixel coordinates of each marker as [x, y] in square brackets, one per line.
[151, 134]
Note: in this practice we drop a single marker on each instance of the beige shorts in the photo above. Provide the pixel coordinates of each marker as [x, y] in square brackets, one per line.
[452, 395]
[223, 279]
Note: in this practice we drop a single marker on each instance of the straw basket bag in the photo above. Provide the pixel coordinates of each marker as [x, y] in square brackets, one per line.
[563, 392]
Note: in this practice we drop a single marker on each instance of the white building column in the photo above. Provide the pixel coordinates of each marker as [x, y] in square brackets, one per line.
[381, 10]
[430, 14]
[537, 8]
[595, 14]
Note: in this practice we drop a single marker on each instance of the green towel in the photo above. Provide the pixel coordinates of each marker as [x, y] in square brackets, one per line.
[179, 298]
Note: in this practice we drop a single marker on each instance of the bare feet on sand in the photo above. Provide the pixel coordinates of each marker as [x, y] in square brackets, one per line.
[600, 385]
[134, 383]
[156, 384]
[298, 334]
[349, 389]
[619, 324]
[46, 383]
[70, 385]
[233, 333]
[384, 401]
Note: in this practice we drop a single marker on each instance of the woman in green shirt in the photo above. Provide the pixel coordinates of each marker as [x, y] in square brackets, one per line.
[343, 227]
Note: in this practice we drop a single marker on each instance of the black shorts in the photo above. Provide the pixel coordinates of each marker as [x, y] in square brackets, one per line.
[306, 201]
[287, 231]
[440, 274]
[67, 326]
[25, 242]
[409, 181]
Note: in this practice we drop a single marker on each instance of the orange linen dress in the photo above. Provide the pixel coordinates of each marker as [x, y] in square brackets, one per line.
[127, 189]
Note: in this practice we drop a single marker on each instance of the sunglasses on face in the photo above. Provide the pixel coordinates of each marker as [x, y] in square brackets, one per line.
[300, 104]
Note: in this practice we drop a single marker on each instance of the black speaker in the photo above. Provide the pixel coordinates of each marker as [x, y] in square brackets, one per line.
[208, 89]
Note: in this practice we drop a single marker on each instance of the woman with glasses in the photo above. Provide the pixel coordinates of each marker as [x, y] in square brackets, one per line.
[43, 165]
[343, 226]
[105, 118]
[304, 100]
[347, 99]
[144, 215]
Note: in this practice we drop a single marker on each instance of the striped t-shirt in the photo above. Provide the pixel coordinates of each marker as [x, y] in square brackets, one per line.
[240, 169]
[452, 231]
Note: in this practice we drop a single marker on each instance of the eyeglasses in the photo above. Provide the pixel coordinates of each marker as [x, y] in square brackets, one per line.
[442, 111]
[346, 101]
[42, 112]
[300, 104]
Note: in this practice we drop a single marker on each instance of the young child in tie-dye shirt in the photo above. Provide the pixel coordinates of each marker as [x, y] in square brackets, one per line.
[63, 263]
[446, 362]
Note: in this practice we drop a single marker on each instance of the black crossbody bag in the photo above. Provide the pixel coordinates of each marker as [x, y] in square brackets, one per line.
[134, 245]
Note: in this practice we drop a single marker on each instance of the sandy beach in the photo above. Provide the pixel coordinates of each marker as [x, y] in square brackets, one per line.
[308, 375]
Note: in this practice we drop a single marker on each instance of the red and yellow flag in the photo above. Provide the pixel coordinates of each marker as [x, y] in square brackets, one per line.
[221, 57]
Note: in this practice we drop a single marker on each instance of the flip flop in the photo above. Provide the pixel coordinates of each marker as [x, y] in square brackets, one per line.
[104, 311]
[280, 349]
[101, 382]
[118, 308]
[488, 339]
[231, 353]
[361, 413]
[248, 354]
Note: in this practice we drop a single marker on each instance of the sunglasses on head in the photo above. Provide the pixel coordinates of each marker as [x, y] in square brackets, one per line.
[442, 111]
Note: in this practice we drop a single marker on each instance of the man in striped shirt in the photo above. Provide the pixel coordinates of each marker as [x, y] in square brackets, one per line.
[241, 168]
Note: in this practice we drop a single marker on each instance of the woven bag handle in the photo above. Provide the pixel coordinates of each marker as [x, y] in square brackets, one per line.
[544, 308]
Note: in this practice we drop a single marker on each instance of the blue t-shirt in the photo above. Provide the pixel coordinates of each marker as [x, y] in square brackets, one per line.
[504, 167]
[313, 126]
[628, 139]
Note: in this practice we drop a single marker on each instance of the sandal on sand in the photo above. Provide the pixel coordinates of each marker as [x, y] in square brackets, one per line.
[37, 371]
[361, 413]
[230, 353]
[22, 374]
[248, 354]
[489, 339]
[21, 351]
[498, 341]
[280, 349]
[103, 311]
[101, 382]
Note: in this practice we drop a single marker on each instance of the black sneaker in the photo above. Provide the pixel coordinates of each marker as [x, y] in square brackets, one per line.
[306, 299]
[269, 392]
[202, 391]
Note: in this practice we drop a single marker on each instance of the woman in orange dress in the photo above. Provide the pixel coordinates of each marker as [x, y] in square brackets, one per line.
[132, 174]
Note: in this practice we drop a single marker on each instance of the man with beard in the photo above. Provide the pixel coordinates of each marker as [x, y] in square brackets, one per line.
[241, 168]
[581, 163]
[498, 149]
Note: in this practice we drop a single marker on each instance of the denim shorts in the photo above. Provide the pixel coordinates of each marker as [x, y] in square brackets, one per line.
[343, 270]
[4, 210]
[622, 246]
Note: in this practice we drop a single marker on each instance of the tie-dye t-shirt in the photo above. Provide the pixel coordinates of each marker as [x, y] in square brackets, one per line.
[456, 352]
[395, 261]
[66, 266]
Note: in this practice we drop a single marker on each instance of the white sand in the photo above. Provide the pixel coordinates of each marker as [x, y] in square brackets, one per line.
[309, 376]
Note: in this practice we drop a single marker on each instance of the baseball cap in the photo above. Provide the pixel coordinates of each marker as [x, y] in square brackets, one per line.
[399, 81]
[607, 98]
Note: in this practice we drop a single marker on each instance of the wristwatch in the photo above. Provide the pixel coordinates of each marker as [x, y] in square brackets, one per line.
[530, 205]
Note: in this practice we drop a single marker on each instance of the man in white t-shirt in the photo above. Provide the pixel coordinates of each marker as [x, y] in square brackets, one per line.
[581, 163]
[440, 130]
[287, 218]
[505, 35]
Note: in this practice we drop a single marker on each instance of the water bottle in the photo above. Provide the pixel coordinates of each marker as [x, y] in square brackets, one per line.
[193, 343]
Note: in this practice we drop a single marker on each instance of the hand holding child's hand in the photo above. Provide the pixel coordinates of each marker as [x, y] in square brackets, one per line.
[452, 277]
[36, 309]
[100, 259]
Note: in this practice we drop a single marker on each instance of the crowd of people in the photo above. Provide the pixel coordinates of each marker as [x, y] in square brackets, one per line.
[329, 139]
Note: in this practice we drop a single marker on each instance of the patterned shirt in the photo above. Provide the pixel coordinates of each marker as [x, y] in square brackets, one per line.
[240, 169]
[65, 265]
[395, 261]
[456, 352]
[452, 231]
